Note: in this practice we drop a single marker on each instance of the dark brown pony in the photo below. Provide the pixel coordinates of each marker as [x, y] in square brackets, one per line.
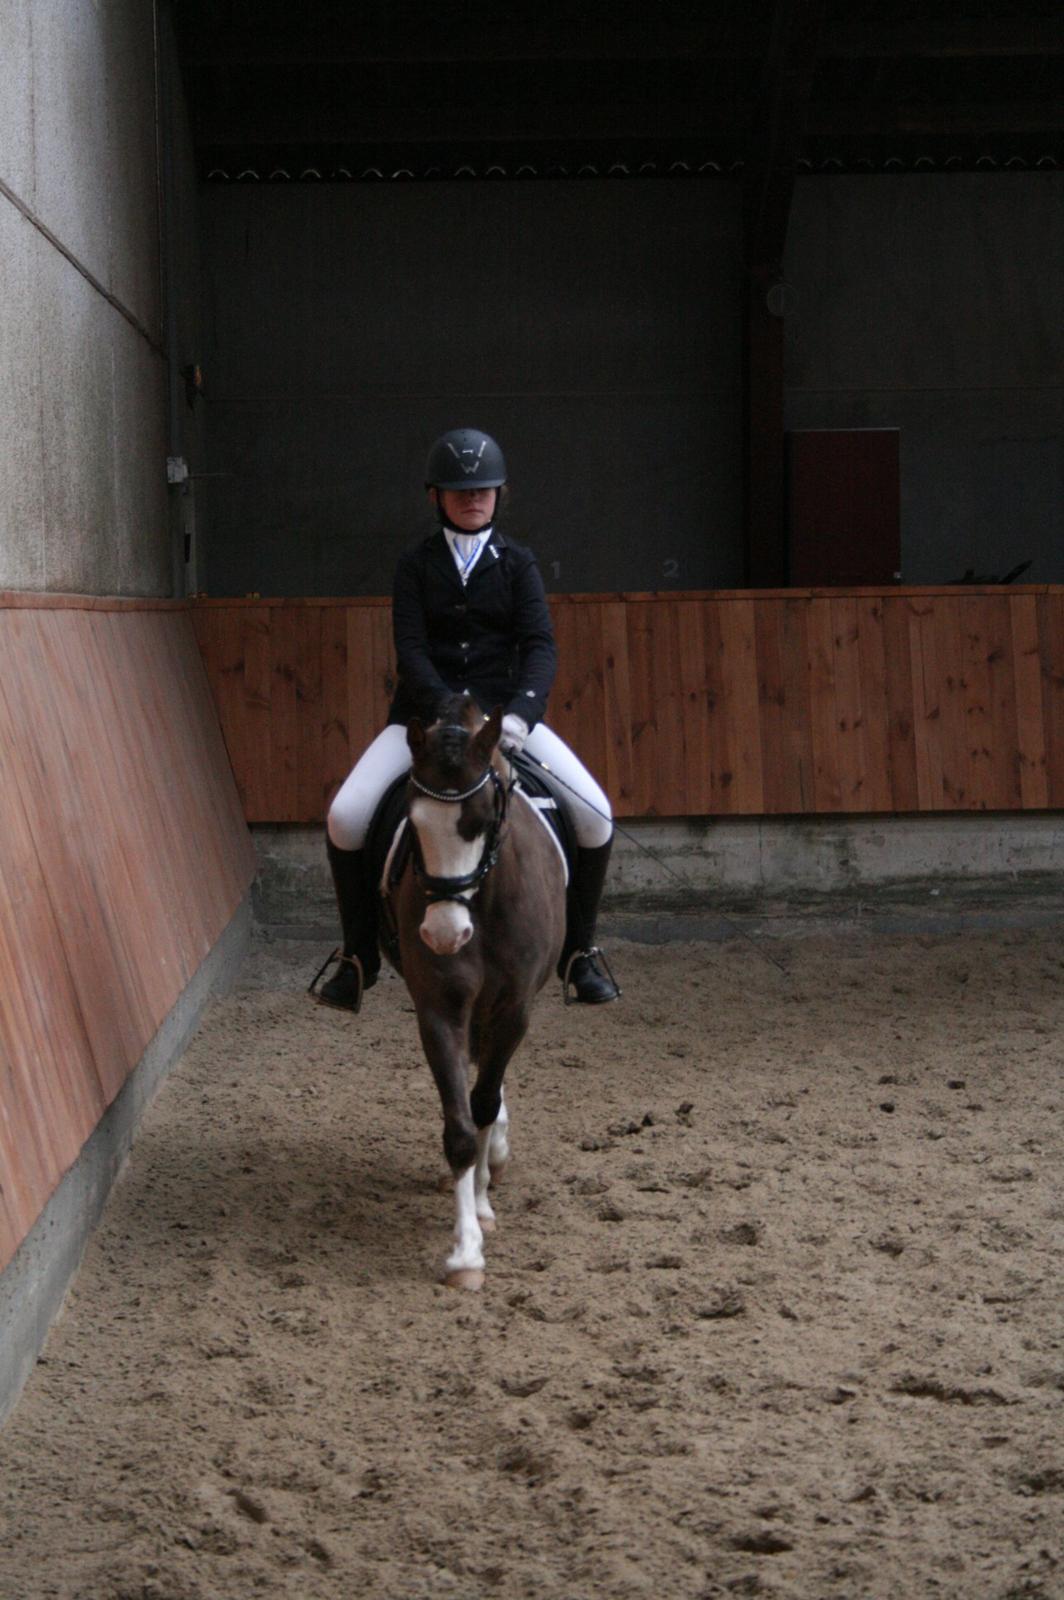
[480, 917]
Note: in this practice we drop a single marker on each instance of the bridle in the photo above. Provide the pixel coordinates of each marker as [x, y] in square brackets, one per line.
[437, 890]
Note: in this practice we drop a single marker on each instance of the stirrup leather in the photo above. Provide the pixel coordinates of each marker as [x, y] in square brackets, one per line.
[571, 999]
[339, 958]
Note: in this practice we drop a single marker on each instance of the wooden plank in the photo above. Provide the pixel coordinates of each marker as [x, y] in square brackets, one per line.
[591, 743]
[617, 694]
[46, 1094]
[694, 691]
[220, 637]
[123, 854]
[285, 628]
[255, 653]
[647, 691]
[385, 668]
[794, 656]
[73, 820]
[899, 695]
[846, 672]
[362, 722]
[738, 662]
[1051, 649]
[975, 638]
[875, 706]
[948, 623]
[780, 795]
[1029, 708]
[337, 758]
[309, 730]
[578, 712]
[994, 736]
[220, 813]
[927, 714]
[720, 751]
[644, 710]
[149, 917]
[670, 776]
[827, 775]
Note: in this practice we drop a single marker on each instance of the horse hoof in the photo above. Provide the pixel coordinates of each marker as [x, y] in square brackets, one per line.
[469, 1278]
[445, 1184]
[497, 1175]
[487, 1224]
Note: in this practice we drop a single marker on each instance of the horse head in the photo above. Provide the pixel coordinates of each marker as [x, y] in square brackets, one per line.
[456, 809]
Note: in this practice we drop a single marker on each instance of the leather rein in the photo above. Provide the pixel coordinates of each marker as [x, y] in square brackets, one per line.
[437, 889]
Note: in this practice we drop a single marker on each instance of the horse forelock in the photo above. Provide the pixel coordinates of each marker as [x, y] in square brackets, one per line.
[451, 750]
[447, 742]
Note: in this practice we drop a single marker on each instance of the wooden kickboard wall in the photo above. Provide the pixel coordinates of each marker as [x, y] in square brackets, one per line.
[796, 702]
[123, 857]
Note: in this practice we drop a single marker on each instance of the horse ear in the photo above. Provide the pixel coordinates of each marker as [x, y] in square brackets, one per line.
[487, 737]
[415, 735]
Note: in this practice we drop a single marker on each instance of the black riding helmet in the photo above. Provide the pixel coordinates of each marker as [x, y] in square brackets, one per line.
[465, 458]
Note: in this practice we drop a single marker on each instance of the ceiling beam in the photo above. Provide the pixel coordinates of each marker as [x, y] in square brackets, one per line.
[778, 126]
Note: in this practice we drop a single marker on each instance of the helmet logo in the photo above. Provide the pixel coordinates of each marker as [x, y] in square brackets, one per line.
[470, 467]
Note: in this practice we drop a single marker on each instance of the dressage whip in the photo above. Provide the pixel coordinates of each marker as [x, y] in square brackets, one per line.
[543, 767]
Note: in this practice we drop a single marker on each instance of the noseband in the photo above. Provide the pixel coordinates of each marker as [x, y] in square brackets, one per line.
[440, 889]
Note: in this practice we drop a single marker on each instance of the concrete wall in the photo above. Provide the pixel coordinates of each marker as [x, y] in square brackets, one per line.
[83, 498]
[593, 327]
[935, 304]
[750, 864]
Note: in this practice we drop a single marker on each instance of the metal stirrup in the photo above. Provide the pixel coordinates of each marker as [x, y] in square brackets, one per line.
[352, 961]
[577, 955]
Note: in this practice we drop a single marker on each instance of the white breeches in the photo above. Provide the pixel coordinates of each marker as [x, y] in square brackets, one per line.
[388, 757]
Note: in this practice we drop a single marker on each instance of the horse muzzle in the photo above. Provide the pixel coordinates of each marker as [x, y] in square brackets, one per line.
[447, 926]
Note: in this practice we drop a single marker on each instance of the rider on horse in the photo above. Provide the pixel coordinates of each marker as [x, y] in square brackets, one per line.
[469, 615]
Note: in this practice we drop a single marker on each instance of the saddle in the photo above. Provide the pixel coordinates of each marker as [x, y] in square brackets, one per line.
[388, 841]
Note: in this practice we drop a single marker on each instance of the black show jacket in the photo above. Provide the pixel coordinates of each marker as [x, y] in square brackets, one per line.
[492, 637]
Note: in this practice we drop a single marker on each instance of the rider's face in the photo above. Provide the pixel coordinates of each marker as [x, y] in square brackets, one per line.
[468, 509]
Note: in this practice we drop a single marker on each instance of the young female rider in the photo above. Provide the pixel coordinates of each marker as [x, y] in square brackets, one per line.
[469, 614]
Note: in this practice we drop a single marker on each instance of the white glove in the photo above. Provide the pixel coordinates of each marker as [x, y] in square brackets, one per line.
[513, 735]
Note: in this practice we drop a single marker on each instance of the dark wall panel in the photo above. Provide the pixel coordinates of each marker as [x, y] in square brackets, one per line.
[935, 304]
[593, 327]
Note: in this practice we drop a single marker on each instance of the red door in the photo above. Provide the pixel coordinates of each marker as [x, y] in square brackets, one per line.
[843, 507]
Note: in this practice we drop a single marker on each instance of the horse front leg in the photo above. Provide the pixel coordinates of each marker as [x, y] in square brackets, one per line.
[445, 1048]
[489, 1108]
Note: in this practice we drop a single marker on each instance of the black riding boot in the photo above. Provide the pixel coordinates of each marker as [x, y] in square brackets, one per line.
[360, 959]
[579, 965]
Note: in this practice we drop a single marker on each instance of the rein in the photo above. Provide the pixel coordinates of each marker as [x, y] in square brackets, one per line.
[437, 890]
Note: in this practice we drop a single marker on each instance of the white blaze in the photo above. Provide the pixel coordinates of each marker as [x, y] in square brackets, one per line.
[448, 925]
